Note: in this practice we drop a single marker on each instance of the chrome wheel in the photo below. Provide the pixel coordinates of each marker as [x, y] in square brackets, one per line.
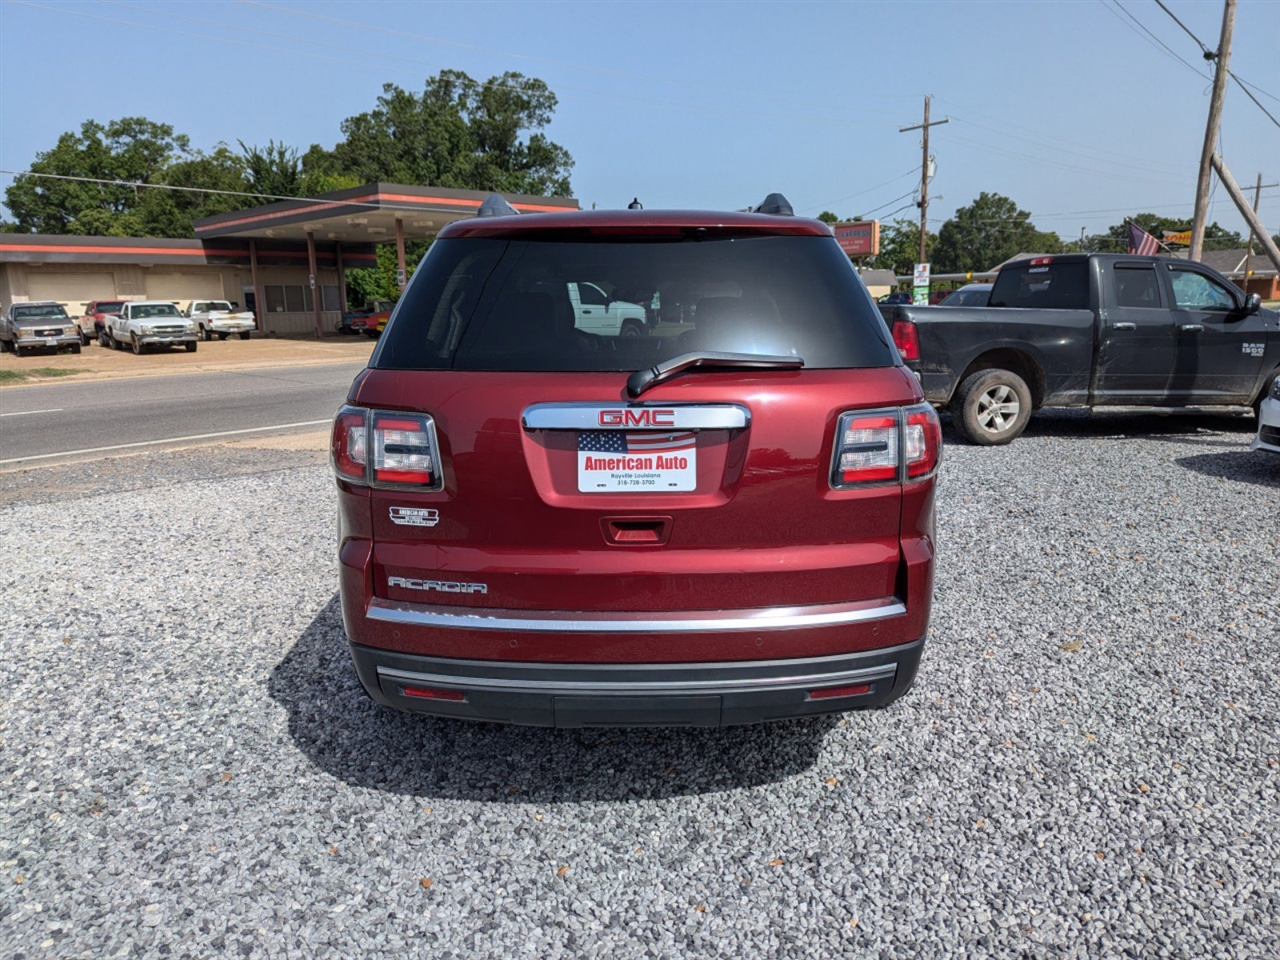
[998, 408]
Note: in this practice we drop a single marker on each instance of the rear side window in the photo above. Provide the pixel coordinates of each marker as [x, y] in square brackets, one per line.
[1044, 286]
[1137, 287]
[621, 305]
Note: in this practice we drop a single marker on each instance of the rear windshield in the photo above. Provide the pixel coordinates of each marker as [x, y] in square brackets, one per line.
[109, 306]
[1046, 286]
[615, 305]
[967, 298]
[207, 305]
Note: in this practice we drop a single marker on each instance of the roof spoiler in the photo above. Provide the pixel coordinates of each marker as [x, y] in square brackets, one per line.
[495, 205]
[776, 204]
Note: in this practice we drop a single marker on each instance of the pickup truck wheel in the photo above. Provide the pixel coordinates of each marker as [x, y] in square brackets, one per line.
[85, 339]
[244, 335]
[75, 347]
[205, 334]
[992, 407]
[138, 347]
[17, 349]
[191, 346]
[632, 328]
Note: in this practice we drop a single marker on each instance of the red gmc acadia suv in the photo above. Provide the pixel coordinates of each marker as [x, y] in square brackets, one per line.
[724, 516]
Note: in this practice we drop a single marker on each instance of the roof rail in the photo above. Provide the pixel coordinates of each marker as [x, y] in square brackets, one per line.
[776, 204]
[495, 205]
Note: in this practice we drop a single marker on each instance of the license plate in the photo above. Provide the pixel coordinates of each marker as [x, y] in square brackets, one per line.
[51, 343]
[644, 462]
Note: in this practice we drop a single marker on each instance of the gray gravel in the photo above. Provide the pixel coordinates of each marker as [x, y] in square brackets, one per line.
[1088, 766]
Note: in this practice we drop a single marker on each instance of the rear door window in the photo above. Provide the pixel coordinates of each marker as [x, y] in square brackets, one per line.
[1136, 286]
[1055, 285]
[494, 304]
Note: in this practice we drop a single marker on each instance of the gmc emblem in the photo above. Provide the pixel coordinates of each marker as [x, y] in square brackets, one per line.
[644, 417]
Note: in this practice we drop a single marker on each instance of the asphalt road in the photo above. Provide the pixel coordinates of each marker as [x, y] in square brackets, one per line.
[43, 423]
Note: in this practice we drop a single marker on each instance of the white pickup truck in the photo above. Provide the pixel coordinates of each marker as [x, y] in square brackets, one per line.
[594, 311]
[144, 324]
[217, 318]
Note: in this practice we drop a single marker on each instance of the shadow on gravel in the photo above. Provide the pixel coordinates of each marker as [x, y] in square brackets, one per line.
[1245, 466]
[361, 743]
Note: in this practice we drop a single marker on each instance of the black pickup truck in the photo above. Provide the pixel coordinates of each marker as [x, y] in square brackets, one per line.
[1092, 330]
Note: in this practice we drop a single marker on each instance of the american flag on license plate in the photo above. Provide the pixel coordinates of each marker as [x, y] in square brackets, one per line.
[619, 441]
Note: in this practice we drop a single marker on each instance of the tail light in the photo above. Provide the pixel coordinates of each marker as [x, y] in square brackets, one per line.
[382, 448]
[922, 441]
[907, 339]
[886, 446]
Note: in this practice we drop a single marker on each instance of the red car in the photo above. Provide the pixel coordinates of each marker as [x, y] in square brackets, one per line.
[727, 519]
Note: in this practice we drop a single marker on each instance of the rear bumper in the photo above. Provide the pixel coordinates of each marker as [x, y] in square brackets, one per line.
[627, 695]
[1268, 437]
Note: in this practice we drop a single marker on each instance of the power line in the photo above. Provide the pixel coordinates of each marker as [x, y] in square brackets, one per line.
[1162, 44]
[1213, 55]
[1247, 93]
[136, 185]
[1208, 54]
[1066, 166]
[1256, 87]
[909, 193]
[860, 193]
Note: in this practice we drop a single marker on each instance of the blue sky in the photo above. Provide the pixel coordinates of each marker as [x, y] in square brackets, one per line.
[1067, 107]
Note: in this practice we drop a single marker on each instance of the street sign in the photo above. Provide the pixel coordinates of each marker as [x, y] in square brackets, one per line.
[312, 279]
[400, 280]
[920, 285]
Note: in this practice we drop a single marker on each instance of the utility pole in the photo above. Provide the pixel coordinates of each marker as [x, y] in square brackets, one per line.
[924, 174]
[1248, 257]
[1220, 74]
[1238, 198]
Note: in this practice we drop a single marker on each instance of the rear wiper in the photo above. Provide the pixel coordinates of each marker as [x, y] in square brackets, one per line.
[642, 380]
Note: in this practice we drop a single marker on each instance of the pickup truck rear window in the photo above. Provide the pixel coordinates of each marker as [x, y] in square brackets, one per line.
[622, 304]
[1044, 286]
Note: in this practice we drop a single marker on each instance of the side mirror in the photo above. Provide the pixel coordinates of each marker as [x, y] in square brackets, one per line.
[1252, 304]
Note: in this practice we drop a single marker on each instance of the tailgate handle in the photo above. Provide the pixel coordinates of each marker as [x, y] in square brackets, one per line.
[636, 531]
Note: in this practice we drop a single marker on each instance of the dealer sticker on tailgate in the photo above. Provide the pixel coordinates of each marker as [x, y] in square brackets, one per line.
[611, 460]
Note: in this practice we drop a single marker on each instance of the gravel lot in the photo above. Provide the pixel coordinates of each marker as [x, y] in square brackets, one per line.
[1088, 766]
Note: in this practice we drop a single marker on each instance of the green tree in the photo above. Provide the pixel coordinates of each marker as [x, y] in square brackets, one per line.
[124, 166]
[826, 216]
[900, 247]
[274, 170]
[1116, 237]
[457, 133]
[986, 233]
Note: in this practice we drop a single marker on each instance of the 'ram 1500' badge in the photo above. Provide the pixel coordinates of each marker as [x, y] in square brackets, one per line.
[415, 516]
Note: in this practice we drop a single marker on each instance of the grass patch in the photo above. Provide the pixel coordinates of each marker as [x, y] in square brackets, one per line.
[17, 376]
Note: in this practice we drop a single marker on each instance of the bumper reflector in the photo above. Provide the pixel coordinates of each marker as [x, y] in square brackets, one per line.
[434, 693]
[827, 693]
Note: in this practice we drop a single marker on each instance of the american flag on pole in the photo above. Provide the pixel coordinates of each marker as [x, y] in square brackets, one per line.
[616, 441]
[1140, 242]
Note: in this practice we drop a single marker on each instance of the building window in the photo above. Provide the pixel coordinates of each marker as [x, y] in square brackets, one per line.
[293, 299]
[275, 298]
[329, 298]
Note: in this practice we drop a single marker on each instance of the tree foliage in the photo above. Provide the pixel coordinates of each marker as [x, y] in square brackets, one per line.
[1116, 237]
[130, 154]
[986, 233]
[274, 170]
[457, 133]
[900, 247]
[826, 216]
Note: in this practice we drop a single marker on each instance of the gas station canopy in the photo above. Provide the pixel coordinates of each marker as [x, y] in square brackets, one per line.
[373, 213]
